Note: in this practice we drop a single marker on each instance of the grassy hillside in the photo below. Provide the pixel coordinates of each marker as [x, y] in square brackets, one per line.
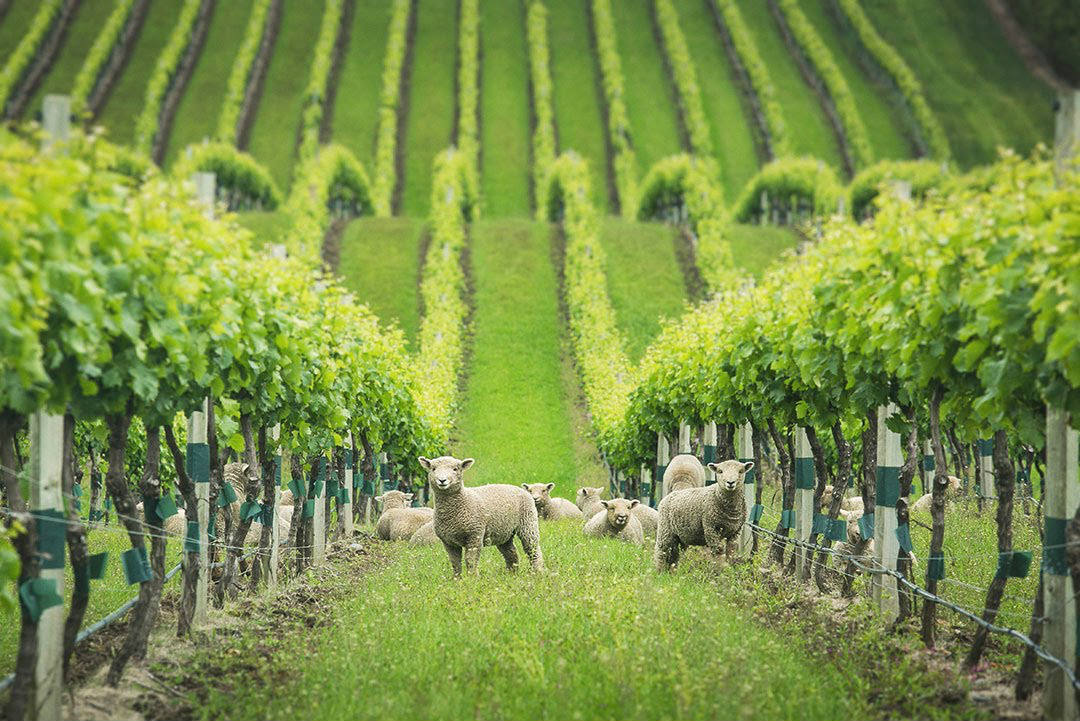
[356, 111]
[277, 119]
[14, 24]
[756, 247]
[267, 226]
[431, 101]
[504, 109]
[206, 89]
[380, 263]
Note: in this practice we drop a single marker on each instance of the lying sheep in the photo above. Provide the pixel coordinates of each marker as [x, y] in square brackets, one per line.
[588, 500]
[684, 471]
[284, 516]
[924, 502]
[466, 519]
[710, 516]
[617, 520]
[399, 521]
[551, 509]
[425, 535]
[850, 503]
[649, 519]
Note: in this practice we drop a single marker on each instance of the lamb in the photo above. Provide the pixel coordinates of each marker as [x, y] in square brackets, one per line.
[618, 521]
[924, 502]
[710, 516]
[684, 471]
[588, 500]
[284, 515]
[850, 503]
[466, 519]
[552, 509]
[425, 535]
[398, 521]
[649, 519]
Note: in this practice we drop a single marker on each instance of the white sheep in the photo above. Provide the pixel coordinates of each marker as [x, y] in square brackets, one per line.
[425, 535]
[399, 521]
[466, 519]
[617, 520]
[649, 519]
[711, 516]
[684, 471]
[850, 503]
[549, 508]
[924, 502]
[588, 500]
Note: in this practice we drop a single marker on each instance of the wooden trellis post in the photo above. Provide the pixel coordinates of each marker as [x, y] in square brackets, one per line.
[744, 449]
[275, 528]
[55, 119]
[927, 468]
[708, 452]
[986, 468]
[319, 520]
[804, 499]
[684, 437]
[886, 545]
[645, 485]
[663, 458]
[198, 469]
[346, 507]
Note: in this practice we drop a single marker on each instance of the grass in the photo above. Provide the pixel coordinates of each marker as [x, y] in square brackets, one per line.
[206, 89]
[380, 263]
[268, 226]
[126, 99]
[356, 110]
[650, 94]
[597, 636]
[277, 119]
[756, 247]
[973, 79]
[882, 123]
[504, 111]
[431, 100]
[13, 25]
[725, 109]
[81, 33]
[579, 118]
[644, 279]
[807, 125]
[516, 417]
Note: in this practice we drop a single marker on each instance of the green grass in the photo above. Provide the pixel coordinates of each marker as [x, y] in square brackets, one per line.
[650, 95]
[756, 247]
[380, 263]
[644, 279]
[206, 90]
[273, 134]
[504, 111]
[882, 123]
[579, 119]
[516, 417]
[356, 110]
[14, 24]
[268, 226]
[725, 109]
[81, 33]
[807, 125]
[126, 99]
[431, 101]
[973, 80]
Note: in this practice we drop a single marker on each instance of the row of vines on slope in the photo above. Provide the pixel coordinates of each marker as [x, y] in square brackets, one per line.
[543, 140]
[685, 76]
[19, 61]
[389, 104]
[236, 86]
[468, 84]
[315, 95]
[623, 158]
[101, 52]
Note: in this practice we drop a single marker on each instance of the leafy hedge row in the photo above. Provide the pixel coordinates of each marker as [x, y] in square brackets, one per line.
[240, 75]
[146, 125]
[242, 182]
[468, 131]
[624, 159]
[906, 82]
[386, 143]
[453, 203]
[543, 140]
[798, 185]
[17, 63]
[924, 175]
[606, 373]
[100, 52]
[683, 189]
[685, 74]
[746, 48]
[818, 53]
[315, 95]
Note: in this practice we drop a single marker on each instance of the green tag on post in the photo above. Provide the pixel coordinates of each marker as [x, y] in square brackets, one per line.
[250, 510]
[787, 518]
[136, 565]
[755, 513]
[297, 488]
[166, 507]
[316, 489]
[76, 490]
[837, 530]
[821, 524]
[97, 564]
[191, 538]
[108, 503]
[309, 509]
[935, 567]
[227, 495]
[37, 595]
[866, 526]
[903, 535]
[1014, 564]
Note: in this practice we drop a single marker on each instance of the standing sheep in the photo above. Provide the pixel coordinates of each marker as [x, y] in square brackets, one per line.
[617, 520]
[588, 500]
[551, 509]
[711, 516]
[684, 471]
[398, 521]
[466, 519]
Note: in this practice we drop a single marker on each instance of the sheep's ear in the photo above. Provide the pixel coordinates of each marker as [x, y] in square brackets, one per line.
[379, 499]
[408, 496]
[525, 486]
[605, 504]
[634, 502]
[747, 466]
[581, 491]
[466, 463]
[714, 467]
[425, 462]
[550, 486]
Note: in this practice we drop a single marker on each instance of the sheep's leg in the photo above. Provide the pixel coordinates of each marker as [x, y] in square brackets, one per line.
[472, 558]
[530, 543]
[665, 556]
[729, 552]
[455, 558]
[510, 554]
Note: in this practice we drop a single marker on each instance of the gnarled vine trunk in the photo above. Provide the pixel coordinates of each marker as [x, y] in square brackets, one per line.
[77, 548]
[937, 516]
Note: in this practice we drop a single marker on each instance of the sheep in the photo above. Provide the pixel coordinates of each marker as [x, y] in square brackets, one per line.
[551, 509]
[850, 503]
[684, 471]
[398, 521]
[425, 535]
[618, 521]
[588, 500]
[649, 519]
[711, 516]
[284, 516]
[466, 519]
[924, 501]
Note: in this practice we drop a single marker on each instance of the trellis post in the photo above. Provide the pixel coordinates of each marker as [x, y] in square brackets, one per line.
[684, 437]
[55, 119]
[886, 544]
[384, 473]
[663, 458]
[345, 510]
[986, 468]
[708, 452]
[198, 469]
[318, 543]
[645, 485]
[275, 525]
[744, 449]
[804, 499]
[927, 467]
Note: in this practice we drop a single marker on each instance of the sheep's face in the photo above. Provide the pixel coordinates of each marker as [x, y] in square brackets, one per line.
[540, 492]
[826, 497]
[394, 499]
[618, 511]
[584, 495]
[729, 474]
[445, 472]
